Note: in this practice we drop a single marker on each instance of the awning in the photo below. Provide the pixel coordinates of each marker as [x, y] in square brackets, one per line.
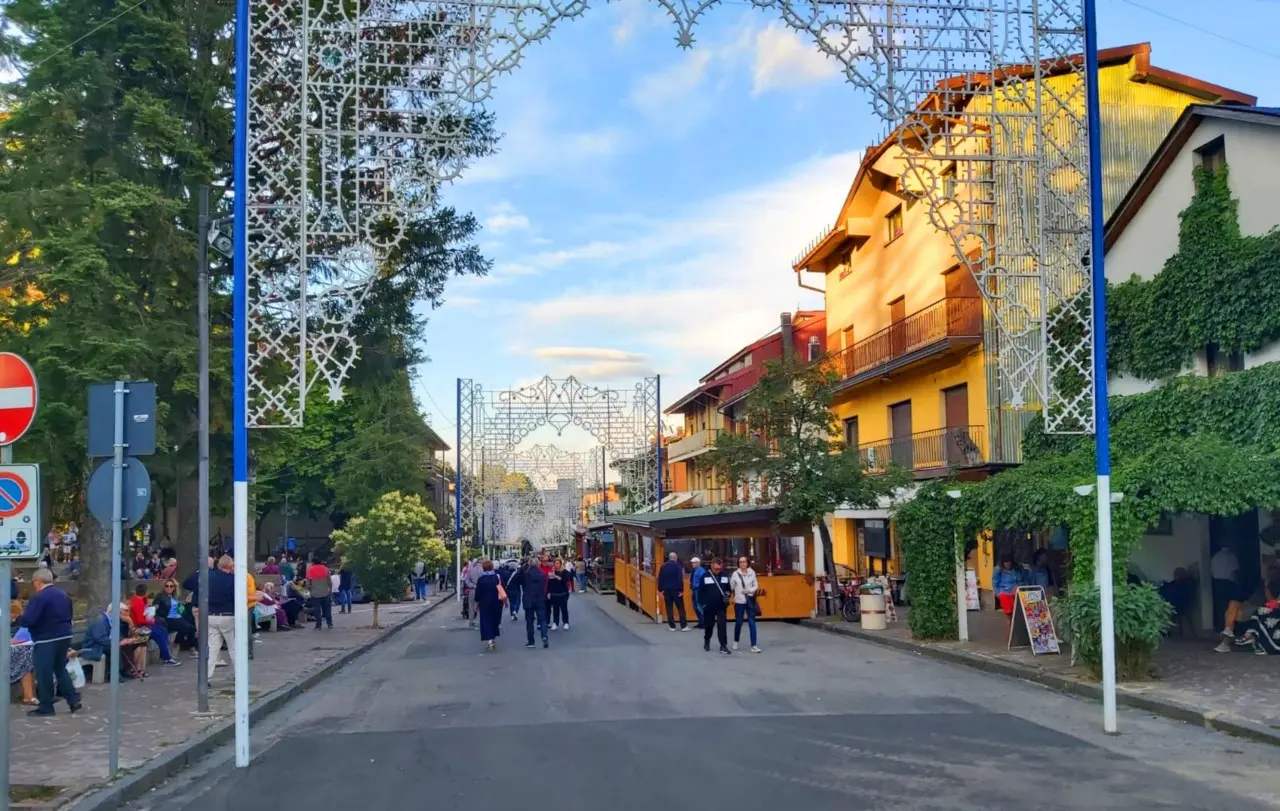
[884, 509]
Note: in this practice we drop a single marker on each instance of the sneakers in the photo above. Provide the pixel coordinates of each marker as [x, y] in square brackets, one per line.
[671, 627]
[686, 628]
[735, 644]
[546, 643]
[756, 649]
[566, 626]
[172, 663]
[726, 651]
[1223, 647]
[555, 626]
[531, 645]
[706, 646]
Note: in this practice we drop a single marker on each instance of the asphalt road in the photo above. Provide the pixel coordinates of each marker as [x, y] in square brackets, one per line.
[621, 714]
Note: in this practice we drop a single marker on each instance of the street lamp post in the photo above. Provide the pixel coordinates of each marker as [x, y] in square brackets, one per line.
[962, 605]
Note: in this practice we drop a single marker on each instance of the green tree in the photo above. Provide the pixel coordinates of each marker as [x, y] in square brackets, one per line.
[791, 444]
[381, 546]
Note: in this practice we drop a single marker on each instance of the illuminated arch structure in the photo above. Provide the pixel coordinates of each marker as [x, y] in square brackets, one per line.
[359, 111]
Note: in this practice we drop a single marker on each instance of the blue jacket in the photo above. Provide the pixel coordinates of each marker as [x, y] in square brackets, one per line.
[48, 614]
[695, 581]
[97, 639]
[533, 587]
[1006, 581]
[671, 577]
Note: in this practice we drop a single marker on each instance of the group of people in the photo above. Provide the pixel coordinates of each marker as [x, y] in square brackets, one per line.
[713, 590]
[541, 587]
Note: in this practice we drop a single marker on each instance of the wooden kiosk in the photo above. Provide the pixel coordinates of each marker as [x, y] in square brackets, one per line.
[781, 554]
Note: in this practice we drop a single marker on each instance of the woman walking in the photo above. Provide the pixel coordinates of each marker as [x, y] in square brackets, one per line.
[746, 588]
[559, 583]
[489, 597]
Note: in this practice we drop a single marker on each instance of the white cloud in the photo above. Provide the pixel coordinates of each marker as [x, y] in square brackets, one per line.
[681, 294]
[783, 61]
[504, 217]
[633, 16]
[655, 93]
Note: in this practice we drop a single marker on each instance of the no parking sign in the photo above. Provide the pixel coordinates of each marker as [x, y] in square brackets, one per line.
[20, 512]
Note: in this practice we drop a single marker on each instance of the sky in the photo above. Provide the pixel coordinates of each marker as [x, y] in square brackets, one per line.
[646, 203]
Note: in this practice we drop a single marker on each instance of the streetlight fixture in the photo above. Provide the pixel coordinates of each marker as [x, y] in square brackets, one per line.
[962, 605]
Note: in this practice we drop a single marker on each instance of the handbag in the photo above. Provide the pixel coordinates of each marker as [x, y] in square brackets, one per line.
[502, 594]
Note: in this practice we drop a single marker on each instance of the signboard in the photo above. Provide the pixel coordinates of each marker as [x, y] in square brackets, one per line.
[1032, 623]
[19, 395]
[139, 419]
[971, 590]
[20, 512]
[137, 492]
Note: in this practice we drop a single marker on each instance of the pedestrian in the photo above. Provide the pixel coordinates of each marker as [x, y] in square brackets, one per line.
[222, 611]
[490, 595]
[671, 584]
[714, 593]
[320, 583]
[559, 584]
[1004, 582]
[746, 590]
[420, 580]
[544, 563]
[469, 577]
[512, 582]
[346, 588]
[533, 594]
[695, 585]
[580, 568]
[47, 618]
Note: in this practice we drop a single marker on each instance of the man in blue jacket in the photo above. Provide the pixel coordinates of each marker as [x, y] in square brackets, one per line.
[671, 584]
[533, 590]
[48, 618]
[695, 583]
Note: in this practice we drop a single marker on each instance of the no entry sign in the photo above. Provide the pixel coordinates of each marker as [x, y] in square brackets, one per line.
[19, 395]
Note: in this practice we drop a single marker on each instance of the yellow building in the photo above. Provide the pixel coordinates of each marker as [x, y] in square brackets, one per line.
[907, 327]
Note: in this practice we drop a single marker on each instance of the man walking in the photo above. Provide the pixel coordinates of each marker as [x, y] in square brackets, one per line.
[671, 584]
[222, 611]
[320, 583]
[470, 577]
[533, 589]
[47, 618]
[512, 580]
[714, 593]
[695, 586]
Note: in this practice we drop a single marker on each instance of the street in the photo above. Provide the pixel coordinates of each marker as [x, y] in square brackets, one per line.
[621, 713]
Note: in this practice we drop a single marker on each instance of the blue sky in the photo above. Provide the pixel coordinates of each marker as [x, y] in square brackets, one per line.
[646, 203]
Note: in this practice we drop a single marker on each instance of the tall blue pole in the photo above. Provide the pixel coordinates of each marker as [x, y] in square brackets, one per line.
[1102, 411]
[658, 411]
[239, 381]
[457, 498]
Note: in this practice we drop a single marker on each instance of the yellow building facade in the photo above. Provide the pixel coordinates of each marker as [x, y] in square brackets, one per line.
[907, 328]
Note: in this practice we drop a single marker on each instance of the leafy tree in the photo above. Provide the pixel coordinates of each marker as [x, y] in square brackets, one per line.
[791, 444]
[382, 546]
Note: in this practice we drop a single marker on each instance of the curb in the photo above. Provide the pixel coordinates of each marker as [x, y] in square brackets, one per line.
[1168, 708]
[156, 771]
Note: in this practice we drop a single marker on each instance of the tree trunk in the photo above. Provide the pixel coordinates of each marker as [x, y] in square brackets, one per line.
[828, 554]
[186, 544]
[95, 563]
[375, 614]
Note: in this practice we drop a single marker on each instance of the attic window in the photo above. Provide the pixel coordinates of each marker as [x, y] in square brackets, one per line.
[815, 348]
[1213, 155]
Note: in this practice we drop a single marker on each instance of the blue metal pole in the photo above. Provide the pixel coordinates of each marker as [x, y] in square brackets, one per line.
[658, 411]
[1102, 411]
[239, 383]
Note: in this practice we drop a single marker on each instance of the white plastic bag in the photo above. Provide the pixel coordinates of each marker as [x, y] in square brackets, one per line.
[76, 671]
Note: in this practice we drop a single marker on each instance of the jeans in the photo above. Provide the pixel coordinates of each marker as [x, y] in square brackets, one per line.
[52, 678]
[744, 611]
[697, 609]
[419, 588]
[344, 601]
[559, 608]
[182, 631]
[675, 601]
[532, 612]
[582, 581]
[160, 635]
[715, 619]
[322, 609]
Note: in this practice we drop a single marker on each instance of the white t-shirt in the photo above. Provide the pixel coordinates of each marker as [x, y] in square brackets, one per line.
[1224, 565]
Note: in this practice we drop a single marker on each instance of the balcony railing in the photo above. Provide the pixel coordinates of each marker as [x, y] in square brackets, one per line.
[693, 444]
[960, 446]
[936, 326]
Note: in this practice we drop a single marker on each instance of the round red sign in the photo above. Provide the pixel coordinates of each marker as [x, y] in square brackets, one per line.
[19, 395]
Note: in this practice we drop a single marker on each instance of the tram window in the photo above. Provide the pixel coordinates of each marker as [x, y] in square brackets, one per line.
[683, 547]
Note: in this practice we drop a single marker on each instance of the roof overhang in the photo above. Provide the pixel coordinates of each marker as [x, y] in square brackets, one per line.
[698, 518]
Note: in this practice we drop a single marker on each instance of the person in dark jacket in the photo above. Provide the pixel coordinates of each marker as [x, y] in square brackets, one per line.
[695, 585]
[671, 584]
[511, 582]
[489, 605]
[48, 619]
[715, 595]
[176, 621]
[346, 589]
[559, 584]
[533, 593]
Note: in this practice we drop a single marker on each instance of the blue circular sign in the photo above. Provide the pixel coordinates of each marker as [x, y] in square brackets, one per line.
[14, 495]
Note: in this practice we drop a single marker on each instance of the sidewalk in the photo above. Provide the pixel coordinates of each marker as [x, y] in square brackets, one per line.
[1236, 693]
[55, 759]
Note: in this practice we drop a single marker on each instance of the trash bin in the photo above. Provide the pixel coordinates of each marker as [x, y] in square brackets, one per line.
[873, 616]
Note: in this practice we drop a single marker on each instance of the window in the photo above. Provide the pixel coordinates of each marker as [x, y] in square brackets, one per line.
[1213, 155]
[851, 433]
[815, 348]
[1220, 362]
[893, 224]
[949, 182]
[846, 337]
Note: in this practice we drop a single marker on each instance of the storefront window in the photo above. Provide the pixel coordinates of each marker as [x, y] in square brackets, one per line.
[647, 546]
[686, 548]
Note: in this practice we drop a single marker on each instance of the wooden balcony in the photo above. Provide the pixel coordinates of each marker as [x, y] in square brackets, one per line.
[937, 329]
[929, 453]
[696, 443]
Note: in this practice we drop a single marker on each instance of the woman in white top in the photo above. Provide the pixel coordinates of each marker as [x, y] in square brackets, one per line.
[745, 588]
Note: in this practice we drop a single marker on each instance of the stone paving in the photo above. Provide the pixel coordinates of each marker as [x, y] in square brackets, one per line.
[70, 751]
[1188, 672]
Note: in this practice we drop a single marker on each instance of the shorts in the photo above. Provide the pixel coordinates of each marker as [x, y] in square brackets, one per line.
[1006, 603]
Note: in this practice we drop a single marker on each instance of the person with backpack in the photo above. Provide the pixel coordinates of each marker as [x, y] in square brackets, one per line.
[714, 592]
[746, 588]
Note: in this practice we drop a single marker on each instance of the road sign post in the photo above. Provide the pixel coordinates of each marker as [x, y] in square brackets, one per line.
[117, 538]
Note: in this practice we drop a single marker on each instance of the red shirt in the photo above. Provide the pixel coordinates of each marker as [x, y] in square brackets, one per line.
[547, 568]
[317, 570]
[138, 610]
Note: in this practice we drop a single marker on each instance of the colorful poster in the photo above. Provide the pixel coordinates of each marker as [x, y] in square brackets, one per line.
[1032, 623]
[971, 590]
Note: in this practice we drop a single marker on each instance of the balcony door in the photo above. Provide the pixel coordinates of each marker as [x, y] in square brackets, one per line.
[897, 327]
[900, 434]
[955, 406]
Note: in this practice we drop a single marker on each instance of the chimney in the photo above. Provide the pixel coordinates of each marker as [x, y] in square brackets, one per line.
[787, 338]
